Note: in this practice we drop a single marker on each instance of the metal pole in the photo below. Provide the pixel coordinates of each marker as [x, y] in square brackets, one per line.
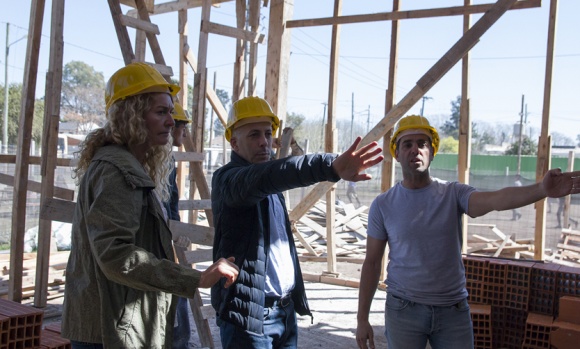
[368, 118]
[352, 118]
[521, 135]
[5, 128]
[322, 131]
[423, 104]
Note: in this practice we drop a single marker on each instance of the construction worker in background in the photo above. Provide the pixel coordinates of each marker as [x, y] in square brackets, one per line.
[182, 327]
[121, 276]
[351, 193]
[420, 219]
[252, 224]
[516, 214]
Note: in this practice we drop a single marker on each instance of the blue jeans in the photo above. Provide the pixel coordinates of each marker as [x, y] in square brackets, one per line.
[182, 329]
[280, 331]
[410, 325]
[83, 345]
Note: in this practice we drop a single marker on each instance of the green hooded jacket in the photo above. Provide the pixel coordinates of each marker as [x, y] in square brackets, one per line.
[121, 273]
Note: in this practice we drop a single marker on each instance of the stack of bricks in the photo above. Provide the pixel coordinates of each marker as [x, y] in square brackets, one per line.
[523, 298]
[565, 332]
[481, 319]
[4, 331]
[24, 324]
[51, 338]
[517, 293]
[538, 329]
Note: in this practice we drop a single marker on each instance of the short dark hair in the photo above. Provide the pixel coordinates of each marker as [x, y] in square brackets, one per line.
[179, 123]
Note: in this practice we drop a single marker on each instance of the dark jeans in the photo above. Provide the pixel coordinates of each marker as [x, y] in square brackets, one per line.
[182, 329]
[280, 330]
[83, 345]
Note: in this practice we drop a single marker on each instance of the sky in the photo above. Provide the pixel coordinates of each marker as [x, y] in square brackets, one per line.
[507, 64]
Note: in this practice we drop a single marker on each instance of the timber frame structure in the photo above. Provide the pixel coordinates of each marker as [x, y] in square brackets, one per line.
[56, 202]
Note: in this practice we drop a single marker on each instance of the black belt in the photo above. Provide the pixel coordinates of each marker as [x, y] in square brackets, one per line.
[283, 301]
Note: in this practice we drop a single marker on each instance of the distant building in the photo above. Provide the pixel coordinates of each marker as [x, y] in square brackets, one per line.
[71, 134]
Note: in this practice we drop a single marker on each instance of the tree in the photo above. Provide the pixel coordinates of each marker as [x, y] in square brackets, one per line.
[82, 94]
[14, 107]
[451, 126]
[561, 139]
[449, 145]
[528, 147]
[218, 127]
[295, 121]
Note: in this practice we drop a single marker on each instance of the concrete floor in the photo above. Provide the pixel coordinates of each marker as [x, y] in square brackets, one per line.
[334, 309]
[334, 324]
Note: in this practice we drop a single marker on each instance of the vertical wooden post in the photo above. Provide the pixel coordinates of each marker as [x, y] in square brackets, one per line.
[23, 150]
[240, 60]
[278, 57]
[330, 141]
[464, 155]
[388, 164]
[49, 147]
[544, 148]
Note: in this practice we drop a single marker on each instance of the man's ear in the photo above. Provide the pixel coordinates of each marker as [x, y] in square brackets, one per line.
[234, 143]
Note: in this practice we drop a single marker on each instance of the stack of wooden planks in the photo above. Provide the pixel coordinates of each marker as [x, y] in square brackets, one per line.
[56, 277]
[350, 233]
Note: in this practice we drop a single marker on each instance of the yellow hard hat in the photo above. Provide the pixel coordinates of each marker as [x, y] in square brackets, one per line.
[414, 124]
[179, 113]
[249, 110]
[133, 79]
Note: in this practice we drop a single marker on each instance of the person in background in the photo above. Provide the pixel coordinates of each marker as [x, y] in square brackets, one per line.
[252, 224]
[351, 193]
[560, 213]
[121, 276]
[182, 326]
[516, 214]
[420, 219]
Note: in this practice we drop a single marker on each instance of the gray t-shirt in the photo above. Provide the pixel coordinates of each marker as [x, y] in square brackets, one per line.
[423, 230]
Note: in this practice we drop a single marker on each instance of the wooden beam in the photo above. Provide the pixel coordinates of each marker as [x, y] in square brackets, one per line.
[197, 234]
[330, 141]
[412, 14]
[278, 57]
[188, 156]
[464, 154]
[131, 3]
[57, 210]
[151, 37]
[185, 205]
[36, 160]
[122, 33]
[172, 6]
[139, 24]
[35, 187]
[244, 35]
[238, 91]
[49, 146]
[544, 144]
[23, 149]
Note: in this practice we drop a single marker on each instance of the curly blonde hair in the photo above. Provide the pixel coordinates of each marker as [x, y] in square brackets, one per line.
[126, 126]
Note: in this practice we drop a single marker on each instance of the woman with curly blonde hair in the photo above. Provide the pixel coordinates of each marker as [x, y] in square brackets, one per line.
[122, 282]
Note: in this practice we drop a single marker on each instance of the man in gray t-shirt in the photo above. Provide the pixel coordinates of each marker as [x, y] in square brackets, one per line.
[420, 219]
